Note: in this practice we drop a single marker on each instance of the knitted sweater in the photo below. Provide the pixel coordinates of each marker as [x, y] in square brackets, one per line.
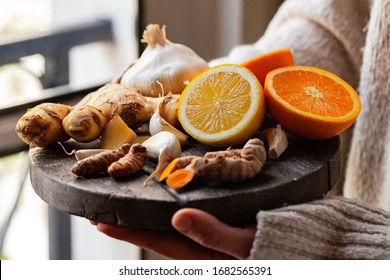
[350, 38]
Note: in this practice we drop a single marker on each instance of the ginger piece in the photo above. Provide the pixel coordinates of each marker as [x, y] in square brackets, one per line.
[84, 124]
[276, 140]
[41, 125]
[100, 162]
[116, 133]
[131, 163]
[110, 100]
[234, 165]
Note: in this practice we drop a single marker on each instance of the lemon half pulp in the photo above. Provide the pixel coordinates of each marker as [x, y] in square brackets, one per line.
[223, 106]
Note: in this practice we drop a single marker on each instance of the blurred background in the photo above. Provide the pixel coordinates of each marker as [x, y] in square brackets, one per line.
[53, 50]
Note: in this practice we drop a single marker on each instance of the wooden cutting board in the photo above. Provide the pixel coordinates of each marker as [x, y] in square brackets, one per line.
[306, 171]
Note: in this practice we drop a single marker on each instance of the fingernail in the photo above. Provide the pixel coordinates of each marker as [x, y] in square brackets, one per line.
[184, 224]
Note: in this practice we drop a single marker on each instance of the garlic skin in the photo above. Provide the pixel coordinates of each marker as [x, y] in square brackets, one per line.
[164, 147]
[82, 153]
[158, 124]
[277, 141]
[164, 66]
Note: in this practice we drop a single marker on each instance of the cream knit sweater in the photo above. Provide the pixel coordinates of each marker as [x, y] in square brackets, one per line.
[352, 39]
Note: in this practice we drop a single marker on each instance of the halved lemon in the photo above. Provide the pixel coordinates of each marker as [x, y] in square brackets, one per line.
[223, 106]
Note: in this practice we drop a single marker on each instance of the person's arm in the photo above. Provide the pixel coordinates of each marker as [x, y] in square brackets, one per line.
[331, 228]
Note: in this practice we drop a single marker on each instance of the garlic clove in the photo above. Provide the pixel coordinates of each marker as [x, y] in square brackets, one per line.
[158, 124]
[163, 147]
[276, 140]
[82, 153]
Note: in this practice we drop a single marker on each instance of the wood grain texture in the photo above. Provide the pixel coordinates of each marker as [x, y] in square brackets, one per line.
[306, 171]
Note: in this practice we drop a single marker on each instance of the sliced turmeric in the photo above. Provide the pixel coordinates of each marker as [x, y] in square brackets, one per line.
[131, 163]
[180, 178]
[100, 162]
[175, 164]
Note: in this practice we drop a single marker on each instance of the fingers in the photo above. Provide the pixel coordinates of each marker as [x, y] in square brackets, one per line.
[168, 243]
[200, 236]
[209, 232]
[147, 239]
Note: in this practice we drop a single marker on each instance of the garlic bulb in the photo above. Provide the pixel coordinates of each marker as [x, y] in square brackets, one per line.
[164, 147]
[163, 66]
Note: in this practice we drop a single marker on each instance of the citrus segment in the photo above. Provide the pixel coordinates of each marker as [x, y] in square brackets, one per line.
[310, 102]
[263, 64]
[223, 106]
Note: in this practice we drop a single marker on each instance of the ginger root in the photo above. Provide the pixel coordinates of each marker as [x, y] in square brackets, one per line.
[88, 121]
[116, 133]
[234, 165]
[41, 125]
[100, 162]
[131, 163]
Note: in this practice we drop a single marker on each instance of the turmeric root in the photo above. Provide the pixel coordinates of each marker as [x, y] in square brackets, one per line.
[86, 123]
[41, 125]
[234, 165]
[100, 162]
[175, 164]
[131, 163]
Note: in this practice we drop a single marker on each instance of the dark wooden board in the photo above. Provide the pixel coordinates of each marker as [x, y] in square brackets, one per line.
[306, 171]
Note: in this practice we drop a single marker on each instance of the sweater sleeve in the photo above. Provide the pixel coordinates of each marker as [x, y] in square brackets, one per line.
[322, 33]
[331, 228]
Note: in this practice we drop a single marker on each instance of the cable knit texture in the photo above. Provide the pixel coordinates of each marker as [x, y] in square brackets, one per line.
[369, 160]
[331, 228]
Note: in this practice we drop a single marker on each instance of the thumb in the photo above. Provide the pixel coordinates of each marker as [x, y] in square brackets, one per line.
[209, 232]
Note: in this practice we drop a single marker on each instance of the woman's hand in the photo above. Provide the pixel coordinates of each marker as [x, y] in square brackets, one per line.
[198, 235]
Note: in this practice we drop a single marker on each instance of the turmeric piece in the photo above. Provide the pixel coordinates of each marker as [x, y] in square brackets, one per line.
[180, 178]
[100, 162]
[175, 164]
[131, 163]
[233, 165]
[41, 126]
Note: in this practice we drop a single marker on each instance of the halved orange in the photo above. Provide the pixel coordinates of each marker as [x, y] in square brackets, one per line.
[223, 106]
[261, 65]
[309, 102]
